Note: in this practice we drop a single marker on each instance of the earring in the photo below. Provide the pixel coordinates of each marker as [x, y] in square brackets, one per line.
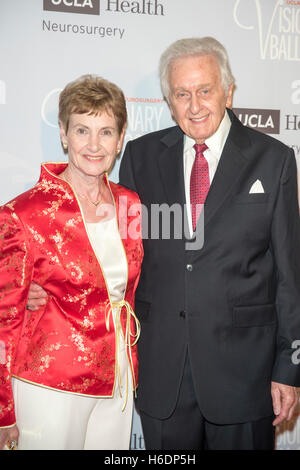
[65, 146]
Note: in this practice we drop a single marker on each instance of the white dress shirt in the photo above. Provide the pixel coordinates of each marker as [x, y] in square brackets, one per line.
[215, 145]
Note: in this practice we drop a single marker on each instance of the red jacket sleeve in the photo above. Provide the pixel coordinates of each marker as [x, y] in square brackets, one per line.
[15, 275]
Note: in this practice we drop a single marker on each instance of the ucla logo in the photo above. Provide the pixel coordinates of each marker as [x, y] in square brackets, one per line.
[86, 7]
[263, 120]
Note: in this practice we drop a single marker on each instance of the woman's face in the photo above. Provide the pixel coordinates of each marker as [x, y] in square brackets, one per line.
[93, 142]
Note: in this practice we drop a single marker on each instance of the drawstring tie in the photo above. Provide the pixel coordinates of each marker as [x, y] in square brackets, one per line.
[116, 308]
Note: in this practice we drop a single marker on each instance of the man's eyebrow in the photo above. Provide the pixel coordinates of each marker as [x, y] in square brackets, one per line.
[201, 85]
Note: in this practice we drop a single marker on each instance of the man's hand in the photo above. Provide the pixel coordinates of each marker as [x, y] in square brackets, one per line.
[285, 400]
[37, 297]
[8, 434]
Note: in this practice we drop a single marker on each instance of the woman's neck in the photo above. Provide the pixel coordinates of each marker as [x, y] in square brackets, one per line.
[84, 185]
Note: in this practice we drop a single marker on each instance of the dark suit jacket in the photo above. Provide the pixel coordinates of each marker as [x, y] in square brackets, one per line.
[234, 305]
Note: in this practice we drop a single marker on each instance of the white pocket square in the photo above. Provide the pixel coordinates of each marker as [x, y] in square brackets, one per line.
[257, 187]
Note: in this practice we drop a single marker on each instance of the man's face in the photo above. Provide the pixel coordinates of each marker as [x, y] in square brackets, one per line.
[197, 98]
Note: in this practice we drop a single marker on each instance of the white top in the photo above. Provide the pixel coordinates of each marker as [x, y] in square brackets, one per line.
[215, 145]
[107, 244]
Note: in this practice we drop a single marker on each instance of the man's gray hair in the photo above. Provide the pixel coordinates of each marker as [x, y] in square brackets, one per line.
[190, 47]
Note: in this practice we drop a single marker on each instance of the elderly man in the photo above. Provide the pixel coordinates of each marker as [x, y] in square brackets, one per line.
[220, 321]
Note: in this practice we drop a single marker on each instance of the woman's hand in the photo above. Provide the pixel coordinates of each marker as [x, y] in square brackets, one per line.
[36, 297]
[8, 434]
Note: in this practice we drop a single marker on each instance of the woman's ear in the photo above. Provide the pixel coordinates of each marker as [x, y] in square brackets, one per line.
[63, 136]
[121, 139]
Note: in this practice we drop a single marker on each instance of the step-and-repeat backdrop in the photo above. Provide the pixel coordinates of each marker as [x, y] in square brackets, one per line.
[46, 43]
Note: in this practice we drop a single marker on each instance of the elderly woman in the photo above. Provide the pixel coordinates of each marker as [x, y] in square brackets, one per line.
[70, 367]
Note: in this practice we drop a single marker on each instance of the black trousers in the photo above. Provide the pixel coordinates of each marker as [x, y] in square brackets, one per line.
[187, 429]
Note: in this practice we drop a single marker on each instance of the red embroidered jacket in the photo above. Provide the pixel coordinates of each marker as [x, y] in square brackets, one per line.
[68, 344]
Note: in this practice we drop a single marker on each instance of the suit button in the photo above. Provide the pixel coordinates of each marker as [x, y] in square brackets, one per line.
[182, 314]
[189, 267]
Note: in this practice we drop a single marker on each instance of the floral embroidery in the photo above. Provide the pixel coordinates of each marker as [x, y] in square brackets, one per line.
[88, 322]
[36, 235]
[75, 270]
[8, 317]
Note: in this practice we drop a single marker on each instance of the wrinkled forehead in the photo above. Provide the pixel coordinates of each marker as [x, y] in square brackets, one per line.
[192, 70]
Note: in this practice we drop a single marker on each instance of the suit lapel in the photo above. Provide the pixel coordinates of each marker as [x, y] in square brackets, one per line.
[229, 170]
[170, 164]
[231, 167]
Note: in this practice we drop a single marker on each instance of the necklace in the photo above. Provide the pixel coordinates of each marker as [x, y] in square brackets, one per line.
[95, 203]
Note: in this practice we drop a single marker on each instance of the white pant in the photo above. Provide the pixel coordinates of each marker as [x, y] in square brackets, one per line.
[52, 420]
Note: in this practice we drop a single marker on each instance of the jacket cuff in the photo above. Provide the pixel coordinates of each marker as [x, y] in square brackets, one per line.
[7, 415]
[286, 371]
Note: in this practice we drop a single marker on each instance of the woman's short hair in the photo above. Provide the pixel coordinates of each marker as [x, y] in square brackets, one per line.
[92, 95]
[194, 46]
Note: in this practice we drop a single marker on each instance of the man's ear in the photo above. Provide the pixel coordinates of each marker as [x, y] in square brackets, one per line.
[229, 98]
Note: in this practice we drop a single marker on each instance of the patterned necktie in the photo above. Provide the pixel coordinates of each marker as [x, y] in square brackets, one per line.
[199, 184]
